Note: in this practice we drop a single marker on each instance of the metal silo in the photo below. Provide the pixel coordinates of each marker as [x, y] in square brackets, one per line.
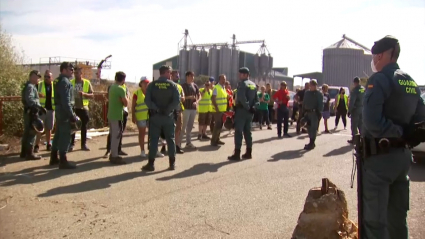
[270, 63]
[213, 62]
[225, 62]
[256, 65]
[183, 63]
[194, 61]
[204, 63]
[343, 61]
[234, 74]
[264, 64]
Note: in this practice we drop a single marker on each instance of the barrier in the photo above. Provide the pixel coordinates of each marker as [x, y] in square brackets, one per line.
[98, 96]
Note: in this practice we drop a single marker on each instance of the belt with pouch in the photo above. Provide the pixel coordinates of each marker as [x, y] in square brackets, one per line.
[377, 146]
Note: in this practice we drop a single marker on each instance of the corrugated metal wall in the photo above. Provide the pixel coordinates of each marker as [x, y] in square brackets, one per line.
[213, 59]
[340, 66]
[204, 63]
[234, 76]
[225, 63]
[183, 64]
[194, 61]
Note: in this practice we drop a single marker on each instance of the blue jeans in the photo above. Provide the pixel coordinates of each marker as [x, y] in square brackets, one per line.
[282, 114]
[264, 116]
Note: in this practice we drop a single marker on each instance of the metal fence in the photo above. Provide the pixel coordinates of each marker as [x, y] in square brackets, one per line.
[99, 97]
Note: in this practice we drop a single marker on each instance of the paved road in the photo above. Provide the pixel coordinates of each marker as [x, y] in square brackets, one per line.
[206, 197]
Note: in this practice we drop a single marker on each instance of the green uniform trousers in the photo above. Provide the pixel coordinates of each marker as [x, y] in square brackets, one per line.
[62, 138]
[218, 125]
[386, 194]
[356, 122]
[243, 121]
[167, 125]
[314, 125]
[28, 137]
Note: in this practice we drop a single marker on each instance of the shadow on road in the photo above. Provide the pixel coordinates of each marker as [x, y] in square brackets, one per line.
[339, 151]
[197, 170]
[46, 172]
[304, 136]
[14, 158]
[261, 141]
[286, 155]
[208, 148]
[417, 171]
[96, 184]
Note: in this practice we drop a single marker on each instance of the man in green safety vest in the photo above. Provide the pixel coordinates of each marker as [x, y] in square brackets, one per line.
[83, 91]
[219, 103]
[204, 108]
[46, 94]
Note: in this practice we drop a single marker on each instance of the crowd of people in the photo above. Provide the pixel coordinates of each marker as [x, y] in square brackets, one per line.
[388, 112]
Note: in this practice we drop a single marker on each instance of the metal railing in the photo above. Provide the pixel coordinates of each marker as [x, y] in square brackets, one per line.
[98, 96]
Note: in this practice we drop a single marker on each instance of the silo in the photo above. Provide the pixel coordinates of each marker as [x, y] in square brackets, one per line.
[264, 64]
[235, 67]
[256, 65]
[183, 63]
[343, 61]
[194, 61]
[204, 63]
[213, 59]
[270, 63]
[225, 62]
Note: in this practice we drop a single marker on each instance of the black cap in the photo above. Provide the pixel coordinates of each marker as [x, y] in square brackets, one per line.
[356, 79]
[244, 70]
[384, 44]
[35, 72]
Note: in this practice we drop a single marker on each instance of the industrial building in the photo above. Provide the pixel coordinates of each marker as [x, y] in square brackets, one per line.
[213, 59]
[345, 60]
[342, 61]
[91, 68]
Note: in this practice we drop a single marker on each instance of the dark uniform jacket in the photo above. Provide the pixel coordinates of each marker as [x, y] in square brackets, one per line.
[391, 101]
[246, 95]
[64, 98]
[163, 96]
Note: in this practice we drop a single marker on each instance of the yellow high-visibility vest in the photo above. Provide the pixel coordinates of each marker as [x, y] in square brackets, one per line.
[221, 98]
[180, 93]
[86, 88]
[205, 104]
[42, 90]
[141, 110]
[345, 99]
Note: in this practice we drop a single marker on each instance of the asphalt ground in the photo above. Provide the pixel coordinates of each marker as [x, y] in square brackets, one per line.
[207, 196]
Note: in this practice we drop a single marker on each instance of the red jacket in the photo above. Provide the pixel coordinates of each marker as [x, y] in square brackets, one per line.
[281, 95]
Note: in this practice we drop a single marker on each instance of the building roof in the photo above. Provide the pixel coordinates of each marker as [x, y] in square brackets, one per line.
[348, 43]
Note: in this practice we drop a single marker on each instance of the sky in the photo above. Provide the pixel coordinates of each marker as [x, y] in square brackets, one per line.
[139, 33]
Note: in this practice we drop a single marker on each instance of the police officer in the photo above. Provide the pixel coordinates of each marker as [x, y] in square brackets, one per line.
[64, 102]
[162, 98]
[32, 106]
[391, 105]
[245, 104]
[355, 107]
[312, 110]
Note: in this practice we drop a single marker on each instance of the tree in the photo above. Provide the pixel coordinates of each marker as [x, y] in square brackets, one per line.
[12, 77]
[12, 73]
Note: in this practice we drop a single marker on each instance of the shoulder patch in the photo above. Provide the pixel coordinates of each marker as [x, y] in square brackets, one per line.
[369, 86]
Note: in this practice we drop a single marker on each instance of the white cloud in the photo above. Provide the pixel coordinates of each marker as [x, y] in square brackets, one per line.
[140, 33]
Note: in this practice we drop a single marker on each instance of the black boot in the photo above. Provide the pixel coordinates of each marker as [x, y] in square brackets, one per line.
[179, 150]
[31, 156]
[350, 141]
[236, 155]
[63, 162]
[54, 158]
[23, 154]
[172, 161]
[310, 146]
[248, 154]
[150, 166]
